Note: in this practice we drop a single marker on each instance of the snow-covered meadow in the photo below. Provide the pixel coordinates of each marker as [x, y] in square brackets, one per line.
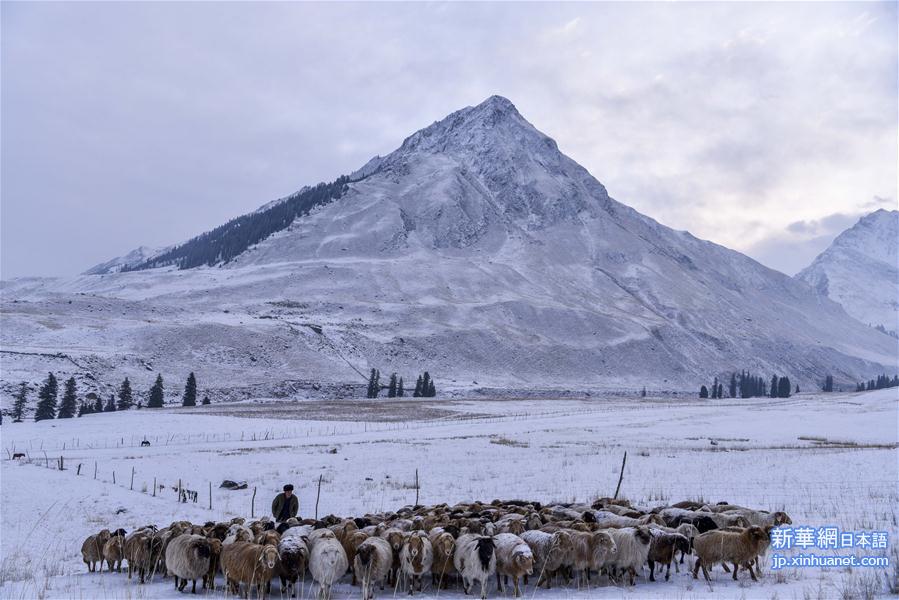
[827, 459]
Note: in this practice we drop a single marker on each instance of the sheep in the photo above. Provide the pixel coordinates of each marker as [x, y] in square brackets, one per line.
[443, 545]
[114, 552]
[187, 557]
[248, 563]
[475, 559]
[551, 551]
[372, 564]
[416, 559]
[590, 550]
[327, 560]
[395, 538]
[215, 559]
[737, 547]
[757, 518]
[268, 538]
[238, 533]
[513, 559]
[92, 549]
[294, 554]
[142, 549]
[350, 544]
[631, 550]
[662, 548]
[610, 519]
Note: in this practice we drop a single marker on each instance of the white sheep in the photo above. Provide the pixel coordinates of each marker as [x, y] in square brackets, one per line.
[187, 557]
[631, 550]
[475, 559]
[372, 564]
[327, 560]
[513, 559]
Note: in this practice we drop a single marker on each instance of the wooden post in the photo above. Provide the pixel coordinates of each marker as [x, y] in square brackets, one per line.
[253, 504]
[46, 460]
[154, 487]
[318, 495]
[61, 463]
[416, 487]
[132, 479]
[78, 470]
[95, 469]
[113, 478]
[179, 490]
[621, 476]
[210, 495]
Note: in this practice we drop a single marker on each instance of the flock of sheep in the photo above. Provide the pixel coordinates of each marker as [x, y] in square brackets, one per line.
[467, 542]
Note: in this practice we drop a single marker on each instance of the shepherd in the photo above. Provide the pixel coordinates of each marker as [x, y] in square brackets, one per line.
[285, 505]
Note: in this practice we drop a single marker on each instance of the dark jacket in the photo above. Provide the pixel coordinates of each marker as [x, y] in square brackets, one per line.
[278, 504]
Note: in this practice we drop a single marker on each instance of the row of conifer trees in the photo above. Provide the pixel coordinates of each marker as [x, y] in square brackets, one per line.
[424, 386]
[49, 406]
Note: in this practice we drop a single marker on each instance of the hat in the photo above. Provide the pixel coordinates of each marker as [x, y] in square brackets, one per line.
[288, 487]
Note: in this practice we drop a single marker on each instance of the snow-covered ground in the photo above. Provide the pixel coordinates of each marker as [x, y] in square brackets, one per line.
[824, 459]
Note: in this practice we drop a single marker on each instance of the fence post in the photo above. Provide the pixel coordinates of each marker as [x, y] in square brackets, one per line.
[113, 478]
[132, 479]
[210, 495]
[417, 487]
[318, 495]
[95, 469]
[621, 476]
[154, 487]
[179, 490]
[78, 471]
[253, 504]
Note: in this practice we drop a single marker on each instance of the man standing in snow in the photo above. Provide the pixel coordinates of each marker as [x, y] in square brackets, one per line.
[285, 505]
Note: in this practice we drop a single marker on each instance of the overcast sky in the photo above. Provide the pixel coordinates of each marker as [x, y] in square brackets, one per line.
[767, 128]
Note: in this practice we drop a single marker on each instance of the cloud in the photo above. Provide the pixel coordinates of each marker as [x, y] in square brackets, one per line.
[147, 123]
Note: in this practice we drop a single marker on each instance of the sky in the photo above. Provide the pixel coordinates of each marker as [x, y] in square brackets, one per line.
[768, 128]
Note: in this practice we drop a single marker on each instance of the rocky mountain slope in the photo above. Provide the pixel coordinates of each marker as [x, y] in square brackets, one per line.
[476, 250]
[860, 270]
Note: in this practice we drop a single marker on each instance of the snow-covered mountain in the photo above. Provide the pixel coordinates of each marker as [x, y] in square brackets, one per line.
[133, 258]
[860, 270]
[476, 250]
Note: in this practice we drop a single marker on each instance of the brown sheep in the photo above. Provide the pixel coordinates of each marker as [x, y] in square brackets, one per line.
[250, 564]
[268, 538]
[114, 552]
[444, 546]
[735, 547]
[215, 557]
[92, 549]
[662, 548]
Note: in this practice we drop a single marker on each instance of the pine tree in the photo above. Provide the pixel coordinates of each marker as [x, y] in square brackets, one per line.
[784, 387]
[110, 405]
[733, 385]
[417, 393]
[206, 400]
[374, 383]
[721, 390]
[157, 394]
[400, 392]
[18, 407]
[797, 389]
[98, 405]
[703, 392]
[774, 386]
[126, 400]
[432, 391]
[69, 403]
[46, 404]
[81, 409]
[643, 392]
[828, 384]
[391, 389]
[425, 384]
[715, 388]
[190, 391]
